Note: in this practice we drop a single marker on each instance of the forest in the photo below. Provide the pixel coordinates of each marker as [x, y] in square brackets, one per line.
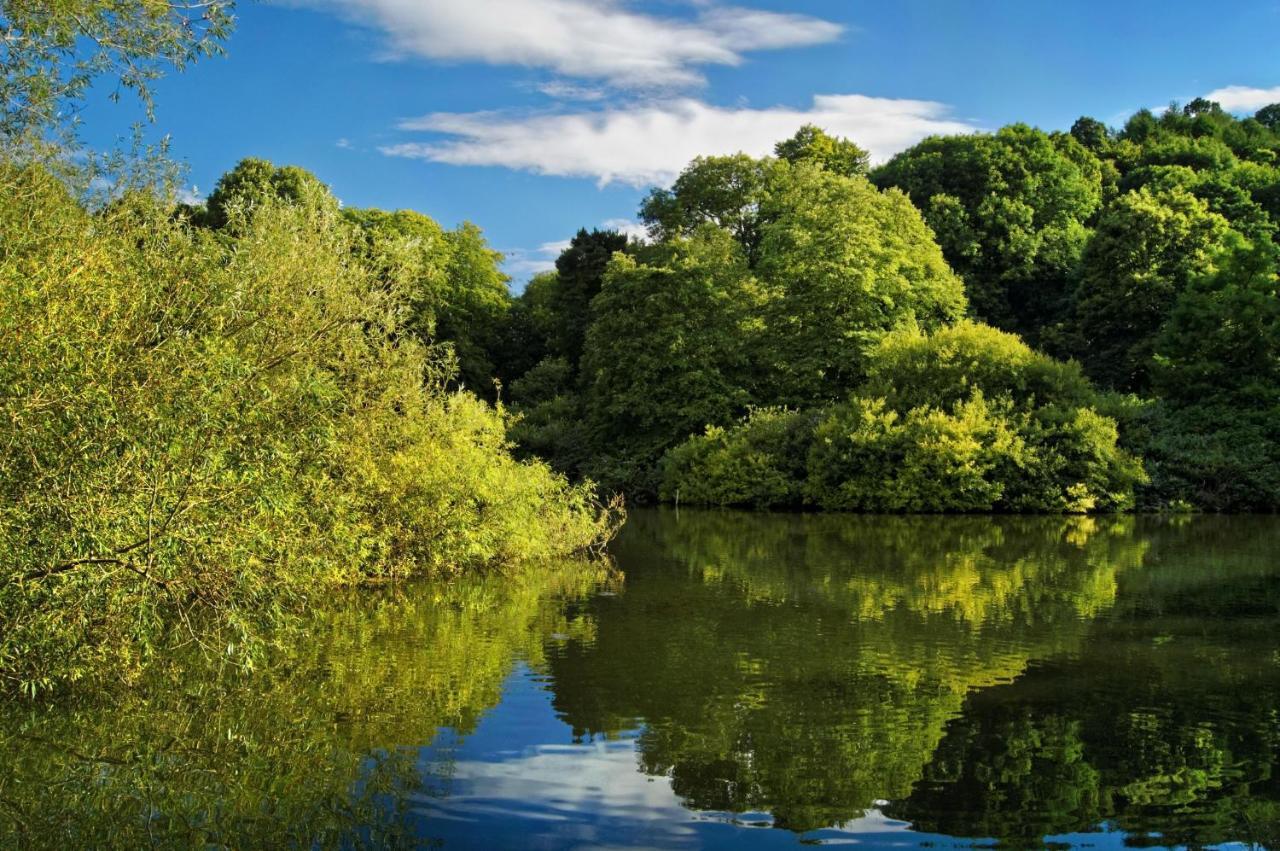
[1017, 321]
[215, 414]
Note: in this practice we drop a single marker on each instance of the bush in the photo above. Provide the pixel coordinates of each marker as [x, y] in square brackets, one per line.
[758, 463]
[965, 419]
[970, 419]
[202, 433]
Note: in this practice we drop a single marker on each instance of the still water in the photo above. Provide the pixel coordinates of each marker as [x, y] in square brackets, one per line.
[732, 681]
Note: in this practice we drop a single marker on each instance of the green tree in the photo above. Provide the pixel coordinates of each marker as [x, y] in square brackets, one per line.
[475, 307]
[1269, 117]
[1011, 211]
[970, 419]
[722, 191]
[669, 351]
[205, 432]
[580, 270]
[253, 183]
[812, 144]
[1147, 250]
[843, 263]
[52, 52]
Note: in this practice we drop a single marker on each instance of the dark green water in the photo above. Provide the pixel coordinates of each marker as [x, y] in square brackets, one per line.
[748, 681]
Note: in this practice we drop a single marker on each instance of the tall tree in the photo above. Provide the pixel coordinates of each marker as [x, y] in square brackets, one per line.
[1147, 250]
[1011, 211]
[580, 272]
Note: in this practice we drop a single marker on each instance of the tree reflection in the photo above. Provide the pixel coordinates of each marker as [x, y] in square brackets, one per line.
[807, 665]
[319, 748]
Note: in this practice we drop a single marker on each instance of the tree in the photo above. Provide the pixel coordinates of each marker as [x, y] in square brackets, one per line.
[843, 263]
[668, 352]
[1269, 117]
[812, 144]
[1147, 250]
[1091, 133]
[580, 271]
[1011, 211]
[970, 418]
[254, 183]
[52, 52]
[722, 191]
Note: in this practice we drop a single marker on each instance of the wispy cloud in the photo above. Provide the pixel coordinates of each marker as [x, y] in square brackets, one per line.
[1244, 98]
[627, 227]
[523, 263]
[607, 40]
[650, 143]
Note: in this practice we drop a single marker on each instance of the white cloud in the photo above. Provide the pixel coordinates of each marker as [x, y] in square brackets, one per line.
[627, 227]
[650, 143]
[343, 143]
[1244, 98]
[597, 39]
[563, 90]
[524, 263]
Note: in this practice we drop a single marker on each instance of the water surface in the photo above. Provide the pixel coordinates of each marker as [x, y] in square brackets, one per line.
[747, 681]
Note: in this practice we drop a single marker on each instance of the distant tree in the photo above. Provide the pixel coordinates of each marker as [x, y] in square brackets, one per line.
[1091, 133]
[812, 144]
[254, 181]
[580, 271]
[476, 305]
[1147, 250]
[668, 352]
[1222, 339]
[1011, 211]
[723, 191]
[843, 263]
[1269, 117]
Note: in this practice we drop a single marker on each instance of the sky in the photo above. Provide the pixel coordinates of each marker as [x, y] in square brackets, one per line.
[533, 118]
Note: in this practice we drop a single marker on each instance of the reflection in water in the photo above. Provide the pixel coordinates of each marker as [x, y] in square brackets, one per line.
[318, 748]
[756, 681]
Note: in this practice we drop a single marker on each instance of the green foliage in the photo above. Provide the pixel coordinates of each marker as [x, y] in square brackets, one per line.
[970, 419]
[721, 191]
[1222, 339]
[255, 183]
[1011, 211]
[811, 144]
[51, 52]
[758, 463]
[457, 293]
[666, 354]
[213, 429]
[965, 419]
[580, 271]
[842, 264]
[1147, 250]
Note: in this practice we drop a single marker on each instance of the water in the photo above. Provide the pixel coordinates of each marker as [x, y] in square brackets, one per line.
[741, 681]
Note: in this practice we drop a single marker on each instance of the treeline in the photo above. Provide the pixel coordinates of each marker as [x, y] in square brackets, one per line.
[1008, 321]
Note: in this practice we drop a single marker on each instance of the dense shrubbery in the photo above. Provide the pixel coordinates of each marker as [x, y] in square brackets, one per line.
[759, 462]
[965, 419]
[226, 424]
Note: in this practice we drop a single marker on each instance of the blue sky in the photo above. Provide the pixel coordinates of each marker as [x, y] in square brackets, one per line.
[535, 117]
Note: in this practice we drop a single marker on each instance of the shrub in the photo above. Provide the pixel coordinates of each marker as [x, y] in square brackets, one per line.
[758, 463]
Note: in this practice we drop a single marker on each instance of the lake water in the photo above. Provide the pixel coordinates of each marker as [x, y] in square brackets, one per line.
[734, 681]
